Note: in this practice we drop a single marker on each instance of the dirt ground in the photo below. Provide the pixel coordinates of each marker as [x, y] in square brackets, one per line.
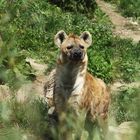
[123, 27]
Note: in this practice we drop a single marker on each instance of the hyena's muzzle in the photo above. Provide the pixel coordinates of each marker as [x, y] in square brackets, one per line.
[76, 54]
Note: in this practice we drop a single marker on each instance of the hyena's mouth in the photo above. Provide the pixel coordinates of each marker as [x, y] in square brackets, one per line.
[76, 55]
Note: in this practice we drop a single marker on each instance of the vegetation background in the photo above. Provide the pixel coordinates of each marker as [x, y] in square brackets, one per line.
[129, 8]
[27, 28]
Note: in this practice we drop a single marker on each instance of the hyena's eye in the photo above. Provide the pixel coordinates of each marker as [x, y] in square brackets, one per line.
[82, 47]
[69, 47]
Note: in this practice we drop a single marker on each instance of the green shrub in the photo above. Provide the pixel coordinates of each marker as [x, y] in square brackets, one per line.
[128, 8]
[126, 59]
[124, 104]
[34, 25]
[80, 6]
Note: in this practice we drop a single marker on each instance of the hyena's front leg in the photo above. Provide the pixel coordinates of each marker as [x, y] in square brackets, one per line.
[90, 127]
[59, 100]
[103, 127]
[64, 133]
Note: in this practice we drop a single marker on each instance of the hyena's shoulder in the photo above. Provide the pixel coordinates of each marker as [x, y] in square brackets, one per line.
[95, 85]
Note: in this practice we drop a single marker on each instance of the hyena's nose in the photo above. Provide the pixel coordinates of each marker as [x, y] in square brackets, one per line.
[77, 54]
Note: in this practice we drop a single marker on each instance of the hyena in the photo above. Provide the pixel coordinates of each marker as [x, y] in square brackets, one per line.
[75, 88]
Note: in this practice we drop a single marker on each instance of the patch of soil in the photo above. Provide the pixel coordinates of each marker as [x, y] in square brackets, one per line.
[124, 27]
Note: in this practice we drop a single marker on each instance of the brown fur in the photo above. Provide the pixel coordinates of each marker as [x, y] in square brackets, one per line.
[75, 87]
[95, 97]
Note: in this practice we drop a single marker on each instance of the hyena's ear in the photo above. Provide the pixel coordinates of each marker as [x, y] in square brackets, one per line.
[86, 36]
[59, 38]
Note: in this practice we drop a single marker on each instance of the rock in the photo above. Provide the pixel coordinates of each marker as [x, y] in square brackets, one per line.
[125, 131]
[41, 87]
[39, 68]
[118, 86]
[24, 93]
[31, 91]
[51, 110]
[4, 92]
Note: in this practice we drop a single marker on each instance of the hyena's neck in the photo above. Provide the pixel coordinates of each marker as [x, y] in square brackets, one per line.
[71, 75]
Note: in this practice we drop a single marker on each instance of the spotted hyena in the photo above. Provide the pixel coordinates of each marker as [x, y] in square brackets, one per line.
[75, 88]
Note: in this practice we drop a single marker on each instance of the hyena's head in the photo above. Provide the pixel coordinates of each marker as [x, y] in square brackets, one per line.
[73, 47]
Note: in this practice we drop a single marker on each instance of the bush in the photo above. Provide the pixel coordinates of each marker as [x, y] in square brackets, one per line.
[124, 103]
[30, 26]
[33, 25]
[128, 8]
[80, 6]
[126, 59]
